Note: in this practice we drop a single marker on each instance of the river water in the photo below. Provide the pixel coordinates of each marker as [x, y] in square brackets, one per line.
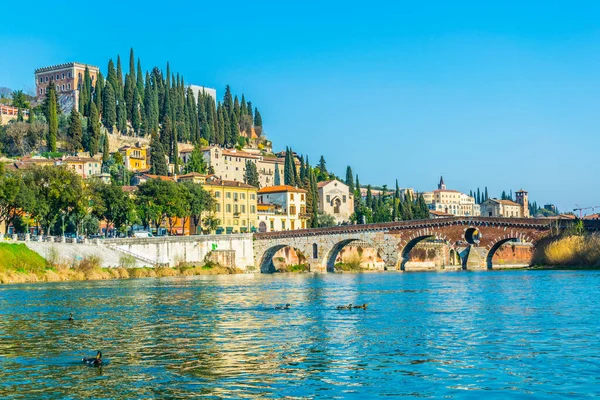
[502, 334]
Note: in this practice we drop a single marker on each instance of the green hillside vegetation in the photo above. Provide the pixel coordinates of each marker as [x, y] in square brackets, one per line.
[19, 258]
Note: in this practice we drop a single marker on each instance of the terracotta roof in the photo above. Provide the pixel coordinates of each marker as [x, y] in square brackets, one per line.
[192, 174]
[508, 203]
[446, 190]
[79, 159]
[230, 184]
[592, 216]
[440, 213]
[161, 177]
[324, 183]
[237, 153]
[281, 188]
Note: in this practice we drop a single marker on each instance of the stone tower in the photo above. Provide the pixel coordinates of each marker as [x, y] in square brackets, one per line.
[441, 185]
[523, 200]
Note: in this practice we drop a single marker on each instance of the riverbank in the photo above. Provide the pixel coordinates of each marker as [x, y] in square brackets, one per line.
[19, 264]
[568, 252]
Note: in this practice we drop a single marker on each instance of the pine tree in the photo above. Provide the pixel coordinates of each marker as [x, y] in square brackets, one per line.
[109, 107]
[503, 196]
[288, 172]
[158, 165]
[74, 132]
[350, 179]
[52, 118]
[93, 134]
[277, 179]
[323, 169]
[196, 162]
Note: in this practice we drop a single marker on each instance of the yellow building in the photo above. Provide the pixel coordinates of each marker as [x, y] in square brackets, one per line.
[281, 208]
[134, 158]
[85, 167]
[235, 205]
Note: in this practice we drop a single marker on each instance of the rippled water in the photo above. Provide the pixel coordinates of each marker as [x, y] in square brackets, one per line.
[465, 335]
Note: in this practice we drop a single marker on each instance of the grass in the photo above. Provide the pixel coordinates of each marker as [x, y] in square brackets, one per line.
[569, 251]
[19, 258]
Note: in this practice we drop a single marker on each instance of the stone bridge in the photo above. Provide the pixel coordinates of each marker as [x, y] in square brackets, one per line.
[473, 239]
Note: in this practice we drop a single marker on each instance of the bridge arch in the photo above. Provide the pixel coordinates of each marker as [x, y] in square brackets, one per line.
[337, 248]
[267, 266]
[453, 254]
[498, 244]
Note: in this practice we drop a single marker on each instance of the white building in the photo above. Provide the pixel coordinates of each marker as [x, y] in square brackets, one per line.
[202, 89]
[336, 200]
[281, 208]
[451, 201]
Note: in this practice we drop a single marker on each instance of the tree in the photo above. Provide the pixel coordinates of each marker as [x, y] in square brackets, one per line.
[158, 164]
[251, 175]
[228, 101]
[289, 167]
[196, 163]
[323, 169]
[112, 205]
[257, 118]
[74, 132]
[105, 150]
[198, 202]
[350, 179]
[277, 179]
[52, 118]
[93, 133]
[325, 220]
[109, 107]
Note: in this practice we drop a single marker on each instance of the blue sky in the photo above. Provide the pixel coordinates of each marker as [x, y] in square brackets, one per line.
[503, 94]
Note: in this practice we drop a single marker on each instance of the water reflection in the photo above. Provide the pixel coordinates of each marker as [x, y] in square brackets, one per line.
[422, 335]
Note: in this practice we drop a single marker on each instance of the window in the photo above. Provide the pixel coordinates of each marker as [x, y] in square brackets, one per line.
[235, 209]
[243, 209]
[217, 194]
[228, 208]
[69, 74]
[235, 196]
[41, 91]
[302, 197]
[218, 207]
[62, 88]
[252, 196]
[41, 79]
[272, 224]
[344, 198]
[63, 76]
[293, 210]
[283, 225]
[252, 209]
[68, 86]
[57, 76]
[328, 198]
[46, 79]
[243, 195]
[291, 196]
[228, 195]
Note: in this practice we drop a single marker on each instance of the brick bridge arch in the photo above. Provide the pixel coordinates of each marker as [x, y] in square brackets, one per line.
[395, 240]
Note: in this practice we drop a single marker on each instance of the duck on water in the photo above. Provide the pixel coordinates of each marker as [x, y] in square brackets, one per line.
[95, 361]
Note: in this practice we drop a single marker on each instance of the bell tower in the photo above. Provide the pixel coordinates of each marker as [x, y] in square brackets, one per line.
[441, 185]
[522, 198]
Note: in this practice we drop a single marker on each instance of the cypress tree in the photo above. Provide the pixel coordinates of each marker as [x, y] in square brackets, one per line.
[93, 135]
[121, 116]
[19, 115]
[221, 136]
[111, 76]
[369, 198]
[109, 107]
[289, 175]
[277, 179]
[158, 165]
[243, 106]
[478, 196]
[257, 118]
[228, 101]
[236, 107]
[99, 89]
[52, 118]
[119, 89]
[74, 132]
[136, 118]
[323, 168]
[234, 130]
[226, 127]
[140, 80]
[486, 194]
[31, 115]
[407, 207]
[251, 176]
[395, 203]
[249, 108]
[132, 65]
[105, 150]
[129, 89]
[350, 179]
